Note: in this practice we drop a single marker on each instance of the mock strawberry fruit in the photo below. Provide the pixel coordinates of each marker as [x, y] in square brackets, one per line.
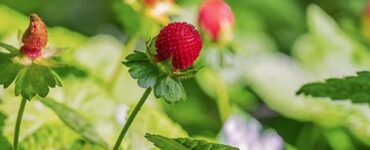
[35, 37]
[180, 42]
[216, 19]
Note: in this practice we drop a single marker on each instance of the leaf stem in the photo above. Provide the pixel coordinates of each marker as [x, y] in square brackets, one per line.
[129, 46]
[18, 123]
[131, 118]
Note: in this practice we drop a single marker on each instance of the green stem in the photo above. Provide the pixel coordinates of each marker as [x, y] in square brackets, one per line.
[129, 46]
[18, 123]
[131, 118]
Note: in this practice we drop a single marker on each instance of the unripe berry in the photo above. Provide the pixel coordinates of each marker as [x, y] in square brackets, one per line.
[216, 19]
[180, 42]
[34, 38]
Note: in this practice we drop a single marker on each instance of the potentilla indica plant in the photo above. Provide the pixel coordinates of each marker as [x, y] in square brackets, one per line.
[29, 67]
[163, 65]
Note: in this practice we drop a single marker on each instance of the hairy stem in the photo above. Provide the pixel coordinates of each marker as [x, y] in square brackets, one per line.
[131, 118]
[18, 123]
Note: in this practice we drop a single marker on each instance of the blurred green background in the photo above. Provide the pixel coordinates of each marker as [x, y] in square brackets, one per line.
[280, 45]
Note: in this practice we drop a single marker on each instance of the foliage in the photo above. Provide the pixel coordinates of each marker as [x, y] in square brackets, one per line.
[29, 80]
[148, 74]
[75, 121]
[355, 88]
[279, 46]
[165, 143]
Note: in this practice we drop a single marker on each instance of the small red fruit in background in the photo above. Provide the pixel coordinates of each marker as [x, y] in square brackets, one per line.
[180, 42]
[152, 3]
[35, 37]
[366, 22]
[215, 18]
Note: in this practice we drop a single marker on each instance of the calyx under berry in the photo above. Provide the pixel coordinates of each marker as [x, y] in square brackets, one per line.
[34, 38]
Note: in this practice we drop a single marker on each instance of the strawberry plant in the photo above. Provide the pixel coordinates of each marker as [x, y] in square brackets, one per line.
[184, 74]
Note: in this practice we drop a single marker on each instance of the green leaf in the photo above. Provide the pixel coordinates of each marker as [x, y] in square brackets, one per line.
[165, 143]
[75, 121]
[35, 79]
[355, 88]
[170, 89]
[8, 71]
[11, 49]
[142, 69]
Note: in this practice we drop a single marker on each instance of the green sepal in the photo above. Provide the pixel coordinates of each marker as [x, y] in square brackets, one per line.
[35, 79]
[355, 88]
[170, 89]
[165, 143]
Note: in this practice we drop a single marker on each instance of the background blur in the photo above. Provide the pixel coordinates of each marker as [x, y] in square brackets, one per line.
[247, 99]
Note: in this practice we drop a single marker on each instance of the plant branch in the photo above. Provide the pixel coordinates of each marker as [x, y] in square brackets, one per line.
[131, 118]
[18, 123]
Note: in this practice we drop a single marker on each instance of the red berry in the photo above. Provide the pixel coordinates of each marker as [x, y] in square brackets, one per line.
[35, 37]
[180, 42]
[152, 3]
[367, 9]
[213, 14]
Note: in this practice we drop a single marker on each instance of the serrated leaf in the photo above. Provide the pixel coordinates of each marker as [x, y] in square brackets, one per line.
[355, 88]
[142, 69]
[170, 89]
[75, 121]
[8, 71]
[165, 143]
[35, 79]
[11, 49]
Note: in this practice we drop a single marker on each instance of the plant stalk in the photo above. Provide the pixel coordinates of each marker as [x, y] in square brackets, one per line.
[22, 106]
[131, 118]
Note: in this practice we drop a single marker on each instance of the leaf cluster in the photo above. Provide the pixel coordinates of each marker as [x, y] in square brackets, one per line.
[30, 80]
[155, 75]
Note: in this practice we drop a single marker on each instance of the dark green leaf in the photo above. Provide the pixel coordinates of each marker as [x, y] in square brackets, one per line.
[165, 143]
[355, 88]
[75, 121]
[142, 69]
[170, 89]
[35, 79]
[11, 49]
[8, 71]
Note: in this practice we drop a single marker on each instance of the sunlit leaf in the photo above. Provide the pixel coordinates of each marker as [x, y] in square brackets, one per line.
[355, 88]
[75, 121]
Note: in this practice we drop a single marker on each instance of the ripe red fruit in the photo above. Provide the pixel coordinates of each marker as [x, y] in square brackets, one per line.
[152, 3]
[180, 42]
[214, 16]
[35, 38]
